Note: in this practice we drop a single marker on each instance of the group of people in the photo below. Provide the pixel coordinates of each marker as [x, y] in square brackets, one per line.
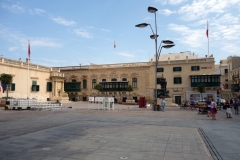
[228, 107]
[212, 107]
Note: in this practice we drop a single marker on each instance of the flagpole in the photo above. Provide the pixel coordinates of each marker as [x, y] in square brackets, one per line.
[208, 37]
[114, 52]
[28, 70]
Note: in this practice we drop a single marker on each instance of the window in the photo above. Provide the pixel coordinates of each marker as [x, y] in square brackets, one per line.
[49, 86]
[225, 70]
[124, 79]
[195, 68]
[11, 87]
[35, 87]
[177, 80]
[34, 82]
[177, 69]
[94, 82]
[74, 80]
[134, 82]
[104, 80]
[84, 84]
[114, 79]
[160, 69]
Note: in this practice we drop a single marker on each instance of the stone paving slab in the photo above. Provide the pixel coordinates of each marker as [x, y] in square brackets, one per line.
[75, 133]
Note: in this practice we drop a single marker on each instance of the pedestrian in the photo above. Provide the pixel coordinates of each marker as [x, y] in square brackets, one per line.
[208, 103]
[163, 104]
[236, 105]
[192, 104]
[227, 105]
[214, 109]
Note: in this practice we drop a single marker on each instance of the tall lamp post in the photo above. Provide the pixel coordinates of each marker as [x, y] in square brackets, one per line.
[168, 44]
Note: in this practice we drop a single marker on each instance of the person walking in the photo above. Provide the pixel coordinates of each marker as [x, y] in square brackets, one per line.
[163, 104]
[227, 105]
[208, 103]
[214, 109]
[236, 105]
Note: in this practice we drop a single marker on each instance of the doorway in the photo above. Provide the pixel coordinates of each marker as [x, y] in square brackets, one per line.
[178, 100]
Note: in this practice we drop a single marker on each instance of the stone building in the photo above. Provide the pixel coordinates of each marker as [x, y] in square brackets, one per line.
[40, 82]
[183, 73]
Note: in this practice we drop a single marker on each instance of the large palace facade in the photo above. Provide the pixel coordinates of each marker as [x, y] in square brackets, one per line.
[183, 73]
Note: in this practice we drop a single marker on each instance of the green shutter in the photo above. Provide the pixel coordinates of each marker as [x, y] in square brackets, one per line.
[37, 87]
[49, 86]
[12, 86]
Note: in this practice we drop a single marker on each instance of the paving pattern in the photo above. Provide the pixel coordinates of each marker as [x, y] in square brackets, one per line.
[127, 133]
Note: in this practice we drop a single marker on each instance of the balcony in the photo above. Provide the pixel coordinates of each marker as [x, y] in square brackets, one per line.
[72, 86]
[114, 86]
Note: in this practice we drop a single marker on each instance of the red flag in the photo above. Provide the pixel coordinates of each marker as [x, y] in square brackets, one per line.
[207, 30]
[114, 44]
[29, 52]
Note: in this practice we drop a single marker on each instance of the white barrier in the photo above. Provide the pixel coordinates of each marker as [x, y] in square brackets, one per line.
[101, 103]
[91, 104]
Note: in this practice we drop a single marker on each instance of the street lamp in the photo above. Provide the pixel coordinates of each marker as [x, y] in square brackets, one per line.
[168, 43]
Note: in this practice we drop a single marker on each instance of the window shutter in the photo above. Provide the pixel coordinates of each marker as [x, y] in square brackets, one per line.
[37, 87]
[13, 87]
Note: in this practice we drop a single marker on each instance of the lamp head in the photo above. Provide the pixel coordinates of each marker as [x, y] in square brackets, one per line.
[152, 9]
[142, 25]
[168, 46]
[167, 42]
[153, 36]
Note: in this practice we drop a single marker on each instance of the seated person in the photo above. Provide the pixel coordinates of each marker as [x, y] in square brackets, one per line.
[187, 104]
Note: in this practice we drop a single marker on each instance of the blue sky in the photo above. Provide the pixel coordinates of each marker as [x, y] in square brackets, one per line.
[74, 32]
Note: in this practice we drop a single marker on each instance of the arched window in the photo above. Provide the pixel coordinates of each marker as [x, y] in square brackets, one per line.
[103, 80]
[124, 79]
[134, 82]
[94, 82]
[114, 79]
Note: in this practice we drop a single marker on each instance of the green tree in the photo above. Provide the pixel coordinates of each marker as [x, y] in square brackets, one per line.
[98, 87]
[7, 80]
[129, 89]
[201, 89]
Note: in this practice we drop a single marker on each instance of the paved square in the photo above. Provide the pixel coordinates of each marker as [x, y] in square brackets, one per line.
[127, 133]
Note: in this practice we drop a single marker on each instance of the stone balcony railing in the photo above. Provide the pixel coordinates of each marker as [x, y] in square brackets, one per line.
[20, 63]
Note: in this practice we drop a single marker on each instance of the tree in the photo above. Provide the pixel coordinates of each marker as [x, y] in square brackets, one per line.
[129, 89]
[201, 89]
[7, 80]
[98, 87]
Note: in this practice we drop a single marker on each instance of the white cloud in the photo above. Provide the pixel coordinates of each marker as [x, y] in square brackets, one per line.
[192, 38]
[21, 41]
[105, 30]
[125, 54]
[44, 42]
[37, 11]
[172, 2]
[202, 8]
[13, 8]
[63, 21]
[11, 49]
[83, 33]
[166, 12]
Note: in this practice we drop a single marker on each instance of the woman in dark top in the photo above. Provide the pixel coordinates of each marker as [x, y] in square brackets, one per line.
[227, 105]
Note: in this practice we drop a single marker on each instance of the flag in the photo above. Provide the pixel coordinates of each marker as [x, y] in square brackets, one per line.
[29, 52]
[114, 44]
[224, 86]
[207, 30]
